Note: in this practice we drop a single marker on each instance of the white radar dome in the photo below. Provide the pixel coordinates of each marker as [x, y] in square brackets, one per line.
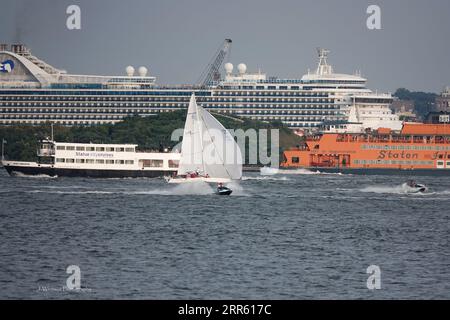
[228, 67]
[242, 68]
[129, 70]
[142, 71]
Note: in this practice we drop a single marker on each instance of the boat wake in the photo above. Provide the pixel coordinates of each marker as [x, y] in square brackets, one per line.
[399, 189]
[266, 178]
[197, 188]
[268, 171]
[33, 176]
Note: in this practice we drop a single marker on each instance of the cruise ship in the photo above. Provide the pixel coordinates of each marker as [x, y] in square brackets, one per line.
[58, 159]
[32, 92]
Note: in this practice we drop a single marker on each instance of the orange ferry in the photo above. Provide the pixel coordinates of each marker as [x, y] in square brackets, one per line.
[417, 149]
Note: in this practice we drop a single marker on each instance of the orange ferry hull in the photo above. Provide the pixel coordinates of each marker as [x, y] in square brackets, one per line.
[416, 149]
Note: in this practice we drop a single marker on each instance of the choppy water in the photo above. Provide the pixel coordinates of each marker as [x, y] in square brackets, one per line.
[290, 236]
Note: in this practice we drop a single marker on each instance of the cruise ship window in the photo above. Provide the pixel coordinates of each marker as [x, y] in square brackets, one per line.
[100, 149]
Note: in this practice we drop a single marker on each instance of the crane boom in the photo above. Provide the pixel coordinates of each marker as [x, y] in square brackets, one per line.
[212, 70]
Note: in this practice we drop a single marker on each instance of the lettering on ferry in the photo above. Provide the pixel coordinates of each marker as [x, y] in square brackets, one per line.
[94, 154]
[397, 155]
[438, 155]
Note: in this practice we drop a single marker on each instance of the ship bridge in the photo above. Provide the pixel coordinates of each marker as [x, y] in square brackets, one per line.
[325, 78]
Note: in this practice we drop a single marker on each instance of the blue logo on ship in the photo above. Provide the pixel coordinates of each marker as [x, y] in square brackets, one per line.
[7, 66]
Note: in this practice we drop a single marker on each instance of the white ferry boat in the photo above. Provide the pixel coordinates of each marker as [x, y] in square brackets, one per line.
[56, 159]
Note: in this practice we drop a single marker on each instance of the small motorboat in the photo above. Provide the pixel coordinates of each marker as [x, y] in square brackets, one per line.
[223, 191]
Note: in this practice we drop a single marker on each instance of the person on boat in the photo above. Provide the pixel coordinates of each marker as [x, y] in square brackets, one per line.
[412, 183]
[220, 185]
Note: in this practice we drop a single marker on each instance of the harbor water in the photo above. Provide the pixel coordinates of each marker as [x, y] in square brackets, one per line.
[294, 235]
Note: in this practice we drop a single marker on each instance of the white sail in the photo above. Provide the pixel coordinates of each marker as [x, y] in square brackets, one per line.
[221, 154]
[191, 147]
[208, 147]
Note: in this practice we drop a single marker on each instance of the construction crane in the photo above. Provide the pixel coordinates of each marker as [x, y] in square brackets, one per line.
[211, 72]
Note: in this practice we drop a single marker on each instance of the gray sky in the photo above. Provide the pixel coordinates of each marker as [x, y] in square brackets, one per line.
[175, 39]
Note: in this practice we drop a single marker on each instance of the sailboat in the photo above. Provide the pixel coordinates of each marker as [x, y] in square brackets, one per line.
[208, 151]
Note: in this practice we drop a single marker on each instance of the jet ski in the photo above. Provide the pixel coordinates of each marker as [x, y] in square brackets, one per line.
[222, 190]
[419, 188]
[414, 187]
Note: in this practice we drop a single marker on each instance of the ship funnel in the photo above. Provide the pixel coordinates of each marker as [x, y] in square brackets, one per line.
[19, 48]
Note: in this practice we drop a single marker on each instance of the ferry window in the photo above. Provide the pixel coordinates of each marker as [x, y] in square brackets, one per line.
[60, 160]
[60, 147]
[89, 160]
[151, 163]
[90, 148]
[70, 160]
[120, 149]
[70, 148]
[79, 160]
[110, 161]
[173, 163]
[129, 149]
[80, 148]
[129, 161]
[100, 161]
[120, 161]
[111, 149]
[295, 160]
[100, 149]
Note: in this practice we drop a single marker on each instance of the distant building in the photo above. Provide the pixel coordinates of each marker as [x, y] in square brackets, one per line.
[404, 109]
[438, 117]
[443, 101]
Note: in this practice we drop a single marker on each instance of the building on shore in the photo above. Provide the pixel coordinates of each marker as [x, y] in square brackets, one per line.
[443, 101]
[438, 117]
[404, 109]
